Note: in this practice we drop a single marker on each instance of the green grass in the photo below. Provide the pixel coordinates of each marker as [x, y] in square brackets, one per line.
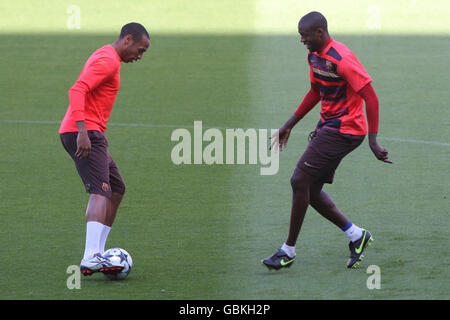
[198, 231]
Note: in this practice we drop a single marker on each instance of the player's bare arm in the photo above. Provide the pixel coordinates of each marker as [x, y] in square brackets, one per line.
[282, 135]
[379, 152]
[83, 141]
[309, 101]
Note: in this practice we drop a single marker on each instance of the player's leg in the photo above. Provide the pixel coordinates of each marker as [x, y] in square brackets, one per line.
[99, 218]
[310, 169]
[359, 238]
[301, 183]
[96, 177]
[325, 205]
[118, 190]
[95, 224]
[112, 207]
[96, 208]
[93, 260]
[306, 173]
[94, 173]
[323, 154]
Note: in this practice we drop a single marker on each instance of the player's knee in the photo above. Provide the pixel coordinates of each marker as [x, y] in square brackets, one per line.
[301, 181]
[297, 183]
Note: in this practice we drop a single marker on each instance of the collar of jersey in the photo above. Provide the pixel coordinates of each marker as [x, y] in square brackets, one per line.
[325, 45]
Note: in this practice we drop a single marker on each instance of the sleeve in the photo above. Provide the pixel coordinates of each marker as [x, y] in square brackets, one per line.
[309, 101]
[90, 78]
[353, 72]
[372, 106]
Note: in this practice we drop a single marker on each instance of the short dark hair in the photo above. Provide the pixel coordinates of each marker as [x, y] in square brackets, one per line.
[136, 30]
[314, 20]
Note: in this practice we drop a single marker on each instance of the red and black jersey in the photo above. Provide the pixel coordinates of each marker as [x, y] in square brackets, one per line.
[339, 75]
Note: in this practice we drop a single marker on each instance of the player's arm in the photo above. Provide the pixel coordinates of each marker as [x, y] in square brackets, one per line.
[77, 96]
[309, 101]
[83, 141]
[372, 111]
[89, 80]
[358, 78]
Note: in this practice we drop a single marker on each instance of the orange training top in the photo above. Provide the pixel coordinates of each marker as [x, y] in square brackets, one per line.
[92, 97]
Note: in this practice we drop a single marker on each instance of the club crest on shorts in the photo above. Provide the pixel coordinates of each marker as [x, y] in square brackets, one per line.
[105, 186]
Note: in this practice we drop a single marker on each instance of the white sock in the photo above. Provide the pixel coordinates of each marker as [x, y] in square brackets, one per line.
[353, 233]
[289, 250]
[103, 238]
[93, 235]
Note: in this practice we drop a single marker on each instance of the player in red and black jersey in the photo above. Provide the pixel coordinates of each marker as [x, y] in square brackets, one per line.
[342, 85]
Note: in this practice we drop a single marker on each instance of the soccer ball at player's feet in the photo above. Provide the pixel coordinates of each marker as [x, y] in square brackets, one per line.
[121, 257]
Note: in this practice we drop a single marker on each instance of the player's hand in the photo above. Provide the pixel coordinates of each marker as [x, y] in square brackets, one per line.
[380, 152]
[83, 145]
[281, 138]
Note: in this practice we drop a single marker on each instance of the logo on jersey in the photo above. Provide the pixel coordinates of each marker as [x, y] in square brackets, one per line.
[329, 64]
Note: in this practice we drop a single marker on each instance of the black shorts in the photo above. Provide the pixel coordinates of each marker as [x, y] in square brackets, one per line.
[98, 172]
[326, 149]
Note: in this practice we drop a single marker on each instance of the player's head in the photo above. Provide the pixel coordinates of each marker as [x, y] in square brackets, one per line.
[133, 42]
[313, 30]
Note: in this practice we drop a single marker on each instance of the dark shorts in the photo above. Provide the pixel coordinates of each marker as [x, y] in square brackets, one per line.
[98, 172]
[326, 149]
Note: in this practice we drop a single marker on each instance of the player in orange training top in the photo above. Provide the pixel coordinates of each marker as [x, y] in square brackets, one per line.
[91, 100]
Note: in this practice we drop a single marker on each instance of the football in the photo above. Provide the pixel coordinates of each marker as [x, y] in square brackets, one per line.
[121, 257]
